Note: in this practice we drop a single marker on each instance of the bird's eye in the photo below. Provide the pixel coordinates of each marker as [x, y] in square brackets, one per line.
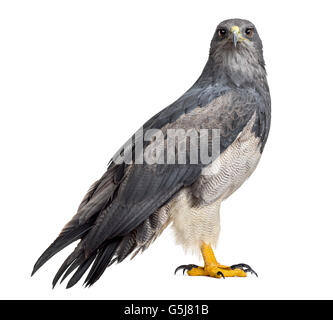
[249, 32]
[222, 33]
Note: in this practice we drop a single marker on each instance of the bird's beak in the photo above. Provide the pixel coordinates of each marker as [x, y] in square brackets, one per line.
[235, 34]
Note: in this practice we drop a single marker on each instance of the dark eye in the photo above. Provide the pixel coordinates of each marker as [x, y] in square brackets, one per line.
[249, 32]
[222, 33]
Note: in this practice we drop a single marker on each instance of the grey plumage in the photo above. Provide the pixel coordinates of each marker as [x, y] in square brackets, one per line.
[130, 205]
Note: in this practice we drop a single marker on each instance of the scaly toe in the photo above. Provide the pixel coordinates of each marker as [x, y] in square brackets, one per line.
[234, 273]
[224, 267]
[215, 271]
[210, 271]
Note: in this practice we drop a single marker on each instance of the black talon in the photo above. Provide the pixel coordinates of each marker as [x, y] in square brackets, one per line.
[245, 267]
[186, 267]
[221, 274]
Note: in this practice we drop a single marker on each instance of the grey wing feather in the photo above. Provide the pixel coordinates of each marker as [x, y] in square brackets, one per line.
[146, 188]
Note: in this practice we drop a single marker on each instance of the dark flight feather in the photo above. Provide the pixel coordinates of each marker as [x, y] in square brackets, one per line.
[67, 237]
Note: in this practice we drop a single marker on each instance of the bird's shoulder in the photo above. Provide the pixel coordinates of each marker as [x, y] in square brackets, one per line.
[202, 105]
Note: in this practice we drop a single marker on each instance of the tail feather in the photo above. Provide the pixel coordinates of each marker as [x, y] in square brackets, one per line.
[67, 236]
[72, 262]
[79, 272]
[97, 199]
[102, 261]
[77, 263]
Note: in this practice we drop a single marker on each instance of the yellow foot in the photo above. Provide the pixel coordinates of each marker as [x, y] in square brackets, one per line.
[213, 269]
[217, 270]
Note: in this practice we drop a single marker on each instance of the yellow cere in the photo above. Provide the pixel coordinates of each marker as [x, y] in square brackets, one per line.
[235, 28]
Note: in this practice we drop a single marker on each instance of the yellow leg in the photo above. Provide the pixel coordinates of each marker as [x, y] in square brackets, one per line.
[213, 269]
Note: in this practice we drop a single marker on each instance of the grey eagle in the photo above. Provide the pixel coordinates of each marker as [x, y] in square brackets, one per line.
[132, 203]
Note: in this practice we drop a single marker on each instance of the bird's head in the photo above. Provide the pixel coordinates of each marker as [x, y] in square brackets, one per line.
[236, 54]
[236, 35]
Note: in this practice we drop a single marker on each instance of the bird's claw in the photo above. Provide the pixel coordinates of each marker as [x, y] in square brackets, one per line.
[186, 267]
[246, 268]
[221, 274]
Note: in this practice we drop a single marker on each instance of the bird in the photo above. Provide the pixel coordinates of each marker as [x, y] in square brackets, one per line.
[227, 109]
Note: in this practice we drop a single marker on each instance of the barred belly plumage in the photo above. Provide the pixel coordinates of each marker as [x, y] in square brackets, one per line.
[195, 211]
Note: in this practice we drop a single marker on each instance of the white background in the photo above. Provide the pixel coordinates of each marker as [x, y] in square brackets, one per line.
[77, 78]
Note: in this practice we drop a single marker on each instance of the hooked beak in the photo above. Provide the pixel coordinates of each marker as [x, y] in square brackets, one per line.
[235, 38]
[235, 34]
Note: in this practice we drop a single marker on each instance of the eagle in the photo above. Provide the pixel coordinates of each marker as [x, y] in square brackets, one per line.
[224, 119]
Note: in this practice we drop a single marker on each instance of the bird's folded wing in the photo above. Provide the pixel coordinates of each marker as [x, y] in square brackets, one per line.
[145, 190]
[128, 194]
